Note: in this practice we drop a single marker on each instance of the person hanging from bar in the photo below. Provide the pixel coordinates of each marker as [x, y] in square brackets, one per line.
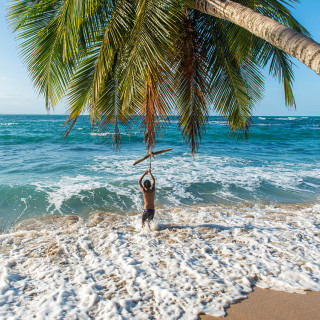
[148, 197]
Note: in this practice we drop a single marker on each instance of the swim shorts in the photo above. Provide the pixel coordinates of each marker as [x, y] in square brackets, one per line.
[148, 214]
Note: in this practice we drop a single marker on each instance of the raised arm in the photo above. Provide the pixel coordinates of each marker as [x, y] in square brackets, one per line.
[153, 180]
[140, 180]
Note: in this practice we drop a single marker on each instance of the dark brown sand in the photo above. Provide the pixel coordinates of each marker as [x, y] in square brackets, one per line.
[264, 304]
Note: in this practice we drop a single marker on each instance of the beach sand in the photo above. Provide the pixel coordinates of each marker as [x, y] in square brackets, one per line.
[265, 304]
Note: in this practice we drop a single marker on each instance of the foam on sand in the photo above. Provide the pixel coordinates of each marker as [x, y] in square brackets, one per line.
[197, 259]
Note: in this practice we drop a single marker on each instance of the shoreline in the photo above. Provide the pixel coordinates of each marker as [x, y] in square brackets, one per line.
[278, 208]
[266, 304]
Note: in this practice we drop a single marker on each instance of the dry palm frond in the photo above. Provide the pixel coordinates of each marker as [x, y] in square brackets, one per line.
[155, 109]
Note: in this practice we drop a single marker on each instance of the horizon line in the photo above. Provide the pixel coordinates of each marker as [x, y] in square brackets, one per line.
[60, 114]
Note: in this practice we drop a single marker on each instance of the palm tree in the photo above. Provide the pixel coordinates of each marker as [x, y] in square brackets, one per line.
[121, 58]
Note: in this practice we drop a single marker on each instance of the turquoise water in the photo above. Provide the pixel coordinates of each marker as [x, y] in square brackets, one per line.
[41, 173]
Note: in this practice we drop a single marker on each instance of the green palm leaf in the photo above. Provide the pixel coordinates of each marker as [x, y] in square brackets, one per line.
[116, 33]
[191, 82]
[46, 33]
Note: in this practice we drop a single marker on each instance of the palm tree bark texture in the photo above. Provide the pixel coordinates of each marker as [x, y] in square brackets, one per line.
[297, 45]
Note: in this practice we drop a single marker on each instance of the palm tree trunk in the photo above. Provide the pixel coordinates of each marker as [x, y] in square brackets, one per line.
[284, 38]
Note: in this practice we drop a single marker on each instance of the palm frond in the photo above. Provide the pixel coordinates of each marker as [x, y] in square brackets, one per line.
[155, 107]
[45, 43]
[280, 63]
[92, 71]
[115, 36]
[281, 68]
[235, 83]
[149, 45]
[191, 82]
[109, 107]
[80, 88]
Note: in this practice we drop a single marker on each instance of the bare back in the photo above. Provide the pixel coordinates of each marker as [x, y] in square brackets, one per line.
[148, 191]
[148, 197]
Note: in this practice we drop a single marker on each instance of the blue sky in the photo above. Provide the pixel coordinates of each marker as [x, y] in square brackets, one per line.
[17, 96]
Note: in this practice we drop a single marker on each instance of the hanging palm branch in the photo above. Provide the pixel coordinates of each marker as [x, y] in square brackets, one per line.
[156, 107]
[235, 83]
[191, 82]
[109, 108]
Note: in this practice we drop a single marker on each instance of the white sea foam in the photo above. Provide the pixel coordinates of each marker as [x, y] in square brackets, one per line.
[286, 118]
[119, 177]
[224, 170]
[222, 122]
[101, 134]
[65, 188]
[197, 259]
[8, 123]
[105, 134]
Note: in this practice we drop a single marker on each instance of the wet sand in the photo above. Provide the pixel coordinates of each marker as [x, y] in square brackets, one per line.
[265, 304]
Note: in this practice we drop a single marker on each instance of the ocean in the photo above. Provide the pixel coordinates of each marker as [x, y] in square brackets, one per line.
[44, 174]
[243, 213]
